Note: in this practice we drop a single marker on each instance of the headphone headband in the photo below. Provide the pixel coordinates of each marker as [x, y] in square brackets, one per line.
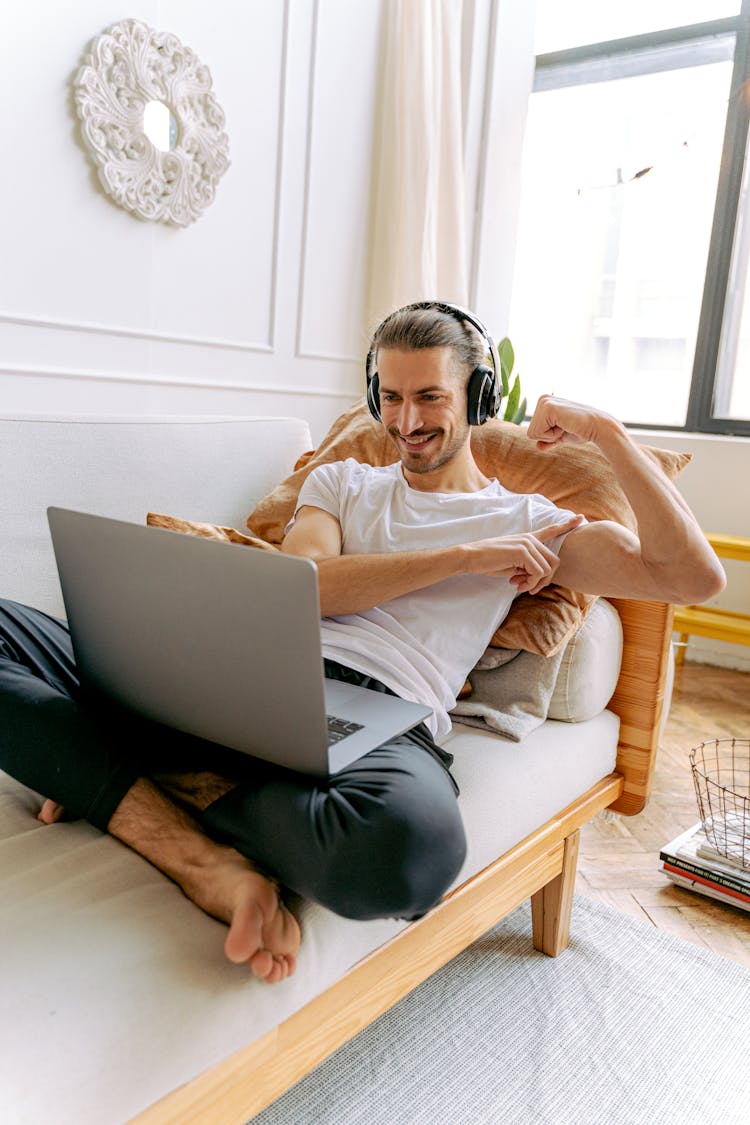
[484, 391]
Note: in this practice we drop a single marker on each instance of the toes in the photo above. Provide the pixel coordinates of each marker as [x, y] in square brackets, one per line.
[263, 965]
[50, 812]
[285, 965]
[272, 967]
[281, 969]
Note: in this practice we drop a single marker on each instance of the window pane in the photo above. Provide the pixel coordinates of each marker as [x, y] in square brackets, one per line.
[732, 390]
[611, 256]
[576, 23]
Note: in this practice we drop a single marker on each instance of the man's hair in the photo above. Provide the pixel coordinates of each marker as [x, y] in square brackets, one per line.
[412, 330]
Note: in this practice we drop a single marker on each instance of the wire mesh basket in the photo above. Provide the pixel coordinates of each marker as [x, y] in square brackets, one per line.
[721, 775]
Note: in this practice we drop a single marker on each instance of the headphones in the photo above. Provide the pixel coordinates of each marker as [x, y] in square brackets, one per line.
[484, 392]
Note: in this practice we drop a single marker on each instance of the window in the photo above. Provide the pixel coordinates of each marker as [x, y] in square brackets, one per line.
[634, 232]
[578, 22]
[731, 393]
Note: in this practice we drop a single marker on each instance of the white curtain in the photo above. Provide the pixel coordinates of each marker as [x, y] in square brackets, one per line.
[419, 242]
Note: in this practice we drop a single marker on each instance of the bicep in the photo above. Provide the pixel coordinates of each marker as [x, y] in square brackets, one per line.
[315, 534]
[604, 558]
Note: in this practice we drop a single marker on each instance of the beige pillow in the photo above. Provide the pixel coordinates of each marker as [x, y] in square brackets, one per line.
[573, 476]
[590, 667]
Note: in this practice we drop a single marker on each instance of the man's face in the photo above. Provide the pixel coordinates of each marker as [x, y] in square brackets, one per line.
[423, 406]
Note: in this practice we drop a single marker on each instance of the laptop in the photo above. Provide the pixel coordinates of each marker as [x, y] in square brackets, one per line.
[219, 640]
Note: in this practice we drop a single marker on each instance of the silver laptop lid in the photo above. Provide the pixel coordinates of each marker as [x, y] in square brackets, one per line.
[141, 600]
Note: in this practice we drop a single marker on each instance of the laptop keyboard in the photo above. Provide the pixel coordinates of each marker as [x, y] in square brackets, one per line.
[340, 728]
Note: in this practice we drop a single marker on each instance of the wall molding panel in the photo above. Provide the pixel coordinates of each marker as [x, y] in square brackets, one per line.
[299, 349]
[342, 104]
[25, 320]
[282, 110]
[172, 381]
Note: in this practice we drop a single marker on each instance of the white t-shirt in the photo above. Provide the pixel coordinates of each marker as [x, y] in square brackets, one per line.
[422, 645]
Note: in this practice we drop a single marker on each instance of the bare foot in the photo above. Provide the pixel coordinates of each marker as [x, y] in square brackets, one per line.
[262, 931]
[50, 812]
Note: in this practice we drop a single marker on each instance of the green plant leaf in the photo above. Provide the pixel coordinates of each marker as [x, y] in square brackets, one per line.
[514, 398]
[504, 379]
[507, 355]
[520, 413]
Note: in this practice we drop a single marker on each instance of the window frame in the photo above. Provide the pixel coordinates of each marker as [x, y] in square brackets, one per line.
[656, 52]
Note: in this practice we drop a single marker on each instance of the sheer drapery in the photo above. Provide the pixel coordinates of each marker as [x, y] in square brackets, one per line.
[419, 241]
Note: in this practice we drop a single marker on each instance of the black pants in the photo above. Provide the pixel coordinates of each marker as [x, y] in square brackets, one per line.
[382, 838]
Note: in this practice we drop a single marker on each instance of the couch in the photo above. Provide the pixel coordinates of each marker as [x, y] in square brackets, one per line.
[117, 1001]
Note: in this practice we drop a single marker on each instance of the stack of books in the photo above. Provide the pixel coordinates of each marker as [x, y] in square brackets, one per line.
[692, 861]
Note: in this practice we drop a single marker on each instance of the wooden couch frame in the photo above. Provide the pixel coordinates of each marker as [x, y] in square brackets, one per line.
[542, 867]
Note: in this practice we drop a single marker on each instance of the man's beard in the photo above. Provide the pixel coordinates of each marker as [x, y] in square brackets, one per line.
[415, 462]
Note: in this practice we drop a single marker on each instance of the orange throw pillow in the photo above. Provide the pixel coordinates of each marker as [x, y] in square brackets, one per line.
[207, 531]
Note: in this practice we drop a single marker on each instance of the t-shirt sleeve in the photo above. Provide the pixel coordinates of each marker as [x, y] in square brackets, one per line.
[543, 512]
[322, 489]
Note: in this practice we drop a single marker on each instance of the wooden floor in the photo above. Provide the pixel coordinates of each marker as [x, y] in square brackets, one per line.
[619, 862]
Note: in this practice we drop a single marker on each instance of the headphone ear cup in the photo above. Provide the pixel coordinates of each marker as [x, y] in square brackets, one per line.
[373, 396]
[481, 395]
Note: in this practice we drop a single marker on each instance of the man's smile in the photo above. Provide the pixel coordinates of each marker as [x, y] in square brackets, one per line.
[413, 442]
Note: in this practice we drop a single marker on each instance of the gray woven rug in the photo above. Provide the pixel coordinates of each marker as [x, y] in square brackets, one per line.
[630, 1026]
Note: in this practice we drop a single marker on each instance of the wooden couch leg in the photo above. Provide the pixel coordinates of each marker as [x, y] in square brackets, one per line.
[551, 906]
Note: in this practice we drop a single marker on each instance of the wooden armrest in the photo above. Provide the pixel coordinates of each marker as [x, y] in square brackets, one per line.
[639, 696]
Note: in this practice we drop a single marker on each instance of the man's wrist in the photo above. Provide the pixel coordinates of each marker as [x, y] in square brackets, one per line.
[468, 557]
[610, 435]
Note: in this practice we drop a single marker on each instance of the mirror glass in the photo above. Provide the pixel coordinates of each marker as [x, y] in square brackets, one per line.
[160, 126]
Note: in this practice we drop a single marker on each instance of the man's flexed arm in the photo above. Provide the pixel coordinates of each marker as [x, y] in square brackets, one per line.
[669, 559]
[354, 583]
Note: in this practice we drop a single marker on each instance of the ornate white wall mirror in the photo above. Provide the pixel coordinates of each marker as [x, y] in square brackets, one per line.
[151, 123]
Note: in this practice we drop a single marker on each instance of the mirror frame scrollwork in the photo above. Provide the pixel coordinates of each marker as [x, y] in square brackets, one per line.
[128, 66]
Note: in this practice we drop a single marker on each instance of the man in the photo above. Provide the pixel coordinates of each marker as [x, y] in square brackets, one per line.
[417, 563]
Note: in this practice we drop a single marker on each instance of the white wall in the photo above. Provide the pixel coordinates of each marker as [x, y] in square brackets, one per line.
[715, 485]
[258, 307]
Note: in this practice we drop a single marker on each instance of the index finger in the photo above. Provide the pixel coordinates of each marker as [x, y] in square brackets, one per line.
[552, 530]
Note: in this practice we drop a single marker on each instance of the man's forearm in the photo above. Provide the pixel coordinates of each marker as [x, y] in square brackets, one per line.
[354, 583]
